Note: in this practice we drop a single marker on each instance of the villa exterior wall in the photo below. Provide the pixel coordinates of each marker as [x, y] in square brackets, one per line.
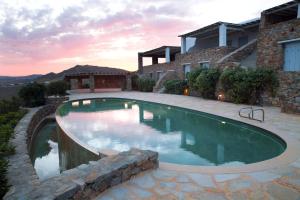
[212, 55]
[289, 92]
[100, 81]
[270, 54]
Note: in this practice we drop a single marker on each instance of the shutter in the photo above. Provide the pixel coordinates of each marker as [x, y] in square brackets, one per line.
[292, 56]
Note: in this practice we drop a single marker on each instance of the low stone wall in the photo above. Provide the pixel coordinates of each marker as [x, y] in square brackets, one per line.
[87, 181]
[289, 92]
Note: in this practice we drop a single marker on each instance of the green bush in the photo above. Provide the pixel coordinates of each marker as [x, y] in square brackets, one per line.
[33, 94]
[146, 84]
[246, 85]
[9, 105]
[3, 180]
[192, 76]
[134, 82]
[206, 82]
[9, 116]
[175, 86]
[57, 88]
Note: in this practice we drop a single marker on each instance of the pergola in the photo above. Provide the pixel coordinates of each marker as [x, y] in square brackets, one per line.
[167, 52]
[220, 29]
[283, 12]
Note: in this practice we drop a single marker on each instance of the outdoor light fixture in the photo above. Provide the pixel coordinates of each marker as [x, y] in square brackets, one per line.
[221, 97]
[186, 92]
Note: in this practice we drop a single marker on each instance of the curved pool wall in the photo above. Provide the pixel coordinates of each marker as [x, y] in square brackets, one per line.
[221, 141]
[52, 151]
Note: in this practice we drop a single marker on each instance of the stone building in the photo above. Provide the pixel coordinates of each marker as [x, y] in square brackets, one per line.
[218, 44]
[278, 47]
[270, 42]
[92, 78]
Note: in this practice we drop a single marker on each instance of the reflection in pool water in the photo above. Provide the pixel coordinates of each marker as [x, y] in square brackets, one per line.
[51, 152]
[179, 135]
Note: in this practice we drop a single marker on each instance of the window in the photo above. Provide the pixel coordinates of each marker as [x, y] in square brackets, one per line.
[151, 75]
[292, 56]
[186, 69]
[204, 64]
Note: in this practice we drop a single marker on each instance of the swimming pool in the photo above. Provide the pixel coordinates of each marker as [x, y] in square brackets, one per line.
[180, 136]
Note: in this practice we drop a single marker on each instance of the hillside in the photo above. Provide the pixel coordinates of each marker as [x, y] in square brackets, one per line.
[7, 80]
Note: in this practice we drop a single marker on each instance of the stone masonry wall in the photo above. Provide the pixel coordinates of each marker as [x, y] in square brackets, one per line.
[211, 54]
[234, 58]
[270, 55]
[289, 92]
[269, 52]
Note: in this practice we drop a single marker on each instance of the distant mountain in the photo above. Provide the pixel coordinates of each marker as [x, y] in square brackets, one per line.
[7, 80]
[86, 69]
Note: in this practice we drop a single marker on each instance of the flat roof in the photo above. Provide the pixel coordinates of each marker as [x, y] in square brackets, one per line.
[283, 9]
[207, 30]
[160, 51]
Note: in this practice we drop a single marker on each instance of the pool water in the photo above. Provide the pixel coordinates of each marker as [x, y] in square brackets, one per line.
[52, 153]
[179, 135]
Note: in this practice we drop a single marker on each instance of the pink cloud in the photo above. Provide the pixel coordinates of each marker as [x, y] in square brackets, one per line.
[50, 38]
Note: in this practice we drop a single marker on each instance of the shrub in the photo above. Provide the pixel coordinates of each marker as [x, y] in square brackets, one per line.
[9, 105]
[246, 85]
[3, 180]
[192, 76]
[134, 82]
[175, 86]
[57, 88]
[206, 82]
[33, 94]
[9, 116]
[146, 84]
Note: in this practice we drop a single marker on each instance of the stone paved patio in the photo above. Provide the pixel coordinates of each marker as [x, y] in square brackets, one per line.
[280, 181]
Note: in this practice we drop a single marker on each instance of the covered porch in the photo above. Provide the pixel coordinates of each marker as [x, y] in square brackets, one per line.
[82, 83]
[167, 52]
[218, 35]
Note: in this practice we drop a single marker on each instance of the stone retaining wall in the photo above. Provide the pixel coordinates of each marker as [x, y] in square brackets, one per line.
[289, 92]
[81, 182]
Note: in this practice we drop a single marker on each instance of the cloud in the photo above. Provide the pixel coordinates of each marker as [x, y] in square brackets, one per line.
[43, 36]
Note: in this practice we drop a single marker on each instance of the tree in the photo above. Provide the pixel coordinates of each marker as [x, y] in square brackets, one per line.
[33, 94]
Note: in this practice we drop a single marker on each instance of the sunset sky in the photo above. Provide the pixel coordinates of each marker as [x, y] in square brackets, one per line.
[42, 36]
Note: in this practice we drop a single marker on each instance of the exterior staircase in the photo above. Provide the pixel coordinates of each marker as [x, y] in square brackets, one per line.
[241, 54]
[168, 75]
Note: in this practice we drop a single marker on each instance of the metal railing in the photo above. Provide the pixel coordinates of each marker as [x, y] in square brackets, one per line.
[252, 111]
